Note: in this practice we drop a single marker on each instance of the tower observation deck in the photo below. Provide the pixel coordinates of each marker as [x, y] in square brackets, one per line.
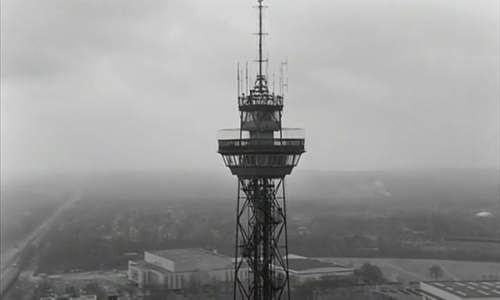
[261, 153]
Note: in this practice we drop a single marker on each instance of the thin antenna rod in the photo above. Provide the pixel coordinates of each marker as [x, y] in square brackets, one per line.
[281, 80]
[260, 44]
[273, 83]
[267, 65]
[286, 62]
[282, 83]
[285, 84]
[246, 89]
[238, 78]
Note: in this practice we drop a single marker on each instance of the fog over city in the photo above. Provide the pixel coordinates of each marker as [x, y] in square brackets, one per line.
[117, 181]
[120, 84]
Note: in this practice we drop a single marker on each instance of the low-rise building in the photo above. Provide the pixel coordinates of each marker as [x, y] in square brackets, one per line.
[302, 269]
[178, 268]
[458, 290]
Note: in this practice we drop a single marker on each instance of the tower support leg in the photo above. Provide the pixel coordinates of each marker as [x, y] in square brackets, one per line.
[261, 242]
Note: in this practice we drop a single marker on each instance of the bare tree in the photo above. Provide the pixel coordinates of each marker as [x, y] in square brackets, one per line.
[42, 288]
[436, 272]
[130, 290]
[193, 290]
[70, 290]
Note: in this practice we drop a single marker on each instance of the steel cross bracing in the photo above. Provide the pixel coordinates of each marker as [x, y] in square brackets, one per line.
[261, 224]
[261, 159]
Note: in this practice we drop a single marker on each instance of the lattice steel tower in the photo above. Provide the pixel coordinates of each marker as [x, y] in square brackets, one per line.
[261, 153]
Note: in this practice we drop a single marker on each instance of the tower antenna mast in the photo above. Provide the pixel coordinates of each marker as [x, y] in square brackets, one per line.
[260, 43]
[261, 159]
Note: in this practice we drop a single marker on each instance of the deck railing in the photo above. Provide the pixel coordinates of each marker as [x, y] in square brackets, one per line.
[261, 142]
[257, 99]
[285, 133]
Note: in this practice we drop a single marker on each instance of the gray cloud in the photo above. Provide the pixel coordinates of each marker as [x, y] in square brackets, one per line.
[119, 84]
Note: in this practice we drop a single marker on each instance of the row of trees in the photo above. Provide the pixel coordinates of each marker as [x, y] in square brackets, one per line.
[72, 250]
[338, 246]
[96, 236]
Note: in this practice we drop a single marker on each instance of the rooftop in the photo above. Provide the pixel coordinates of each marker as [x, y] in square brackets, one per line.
[294, 256]
[337, 271]
[468, 289]
[301, 264]
[143, 265]
[187, 254]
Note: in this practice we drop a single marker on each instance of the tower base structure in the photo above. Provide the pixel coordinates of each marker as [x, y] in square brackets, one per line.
[261, 239]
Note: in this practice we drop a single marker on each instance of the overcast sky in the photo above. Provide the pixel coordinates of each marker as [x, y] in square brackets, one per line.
[128, 84]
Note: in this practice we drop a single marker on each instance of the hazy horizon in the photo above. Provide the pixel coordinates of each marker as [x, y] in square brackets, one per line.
[16, 176]
[472, 185]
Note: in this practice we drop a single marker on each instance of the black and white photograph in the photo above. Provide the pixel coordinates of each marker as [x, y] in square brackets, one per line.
[250, 149]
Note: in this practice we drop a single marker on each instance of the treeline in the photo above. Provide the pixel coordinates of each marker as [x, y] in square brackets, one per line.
[313, 246]
[67, 252]
[418, 224]
[96, 235]
[472, 240]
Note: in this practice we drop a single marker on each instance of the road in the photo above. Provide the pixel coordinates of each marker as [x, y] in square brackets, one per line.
[11, 256]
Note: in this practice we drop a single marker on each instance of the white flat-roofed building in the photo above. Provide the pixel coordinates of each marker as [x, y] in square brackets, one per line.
[458, 290]
[302, 269]
[318, 273]
[177, 267]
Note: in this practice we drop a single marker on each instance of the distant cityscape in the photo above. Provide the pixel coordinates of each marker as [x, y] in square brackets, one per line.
[157, 150]
[104, 245]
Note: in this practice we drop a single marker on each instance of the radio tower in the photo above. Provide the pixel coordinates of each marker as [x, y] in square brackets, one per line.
[261, 153]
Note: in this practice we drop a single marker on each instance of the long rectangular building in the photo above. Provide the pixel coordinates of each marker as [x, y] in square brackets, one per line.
[178, 268]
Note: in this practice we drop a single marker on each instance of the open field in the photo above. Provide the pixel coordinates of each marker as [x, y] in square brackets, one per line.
[406, 270]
